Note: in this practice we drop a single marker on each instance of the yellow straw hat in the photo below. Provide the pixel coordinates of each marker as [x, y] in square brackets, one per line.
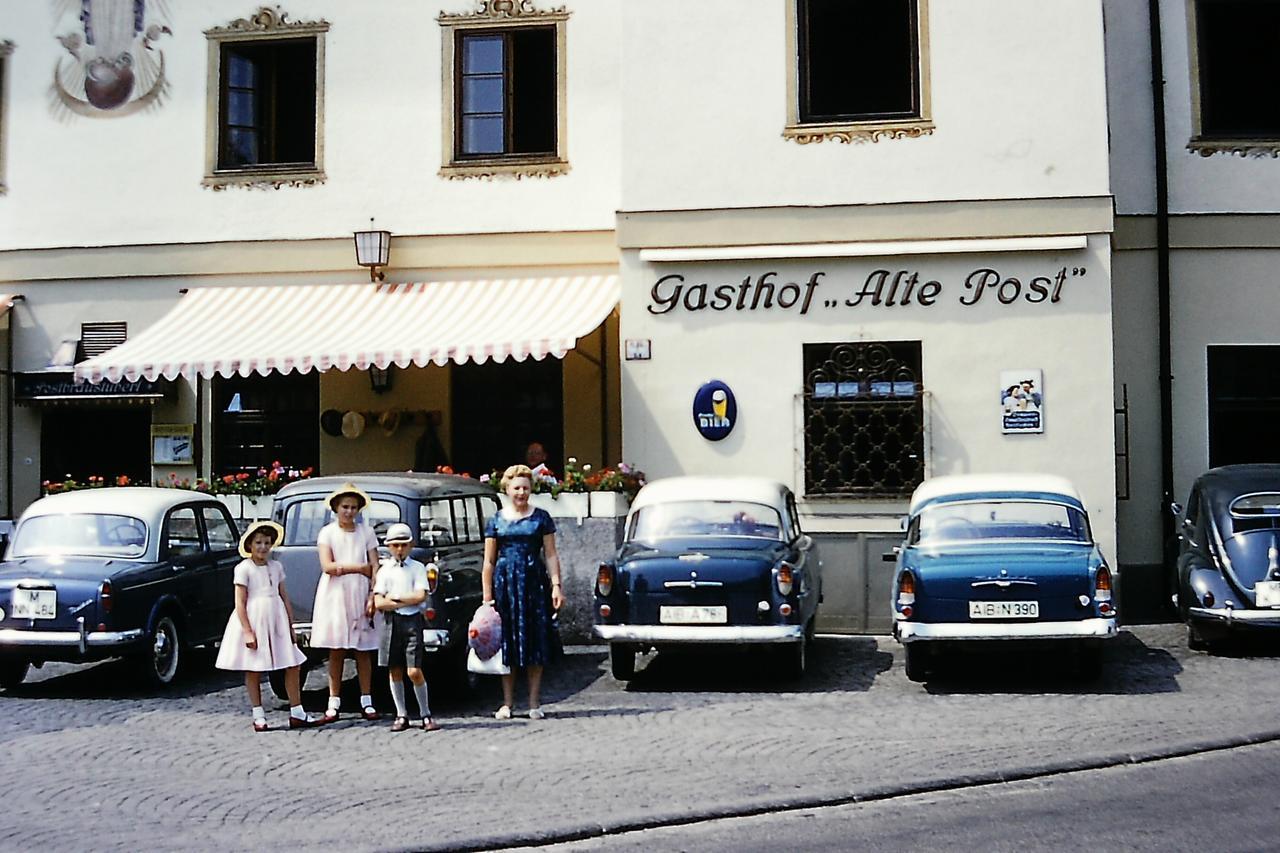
[262, 526]
[347, 489]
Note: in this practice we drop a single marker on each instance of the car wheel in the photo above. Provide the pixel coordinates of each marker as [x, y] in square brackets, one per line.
[1089, 663]
[13, 673]
[918, 660]
[164, 653]
[622, 661]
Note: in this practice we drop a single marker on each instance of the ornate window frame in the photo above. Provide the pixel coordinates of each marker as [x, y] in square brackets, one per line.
[6, 50]
[267, 24]
[856, 131]
[1207, 146]
[501, 15]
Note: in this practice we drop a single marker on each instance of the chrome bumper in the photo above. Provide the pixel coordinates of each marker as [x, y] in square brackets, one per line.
[700, 633]
[30, 638]
[1236, 616]
[1084, 629]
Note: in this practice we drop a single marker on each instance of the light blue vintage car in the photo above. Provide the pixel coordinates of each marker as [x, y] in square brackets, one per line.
[999, 557]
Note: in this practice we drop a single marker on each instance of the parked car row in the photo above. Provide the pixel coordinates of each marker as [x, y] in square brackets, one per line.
[146, 573]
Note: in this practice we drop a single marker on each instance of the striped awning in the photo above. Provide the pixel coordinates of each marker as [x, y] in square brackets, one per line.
[226, 331]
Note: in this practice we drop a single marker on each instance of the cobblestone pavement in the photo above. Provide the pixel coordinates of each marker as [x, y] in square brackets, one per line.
[93, 761]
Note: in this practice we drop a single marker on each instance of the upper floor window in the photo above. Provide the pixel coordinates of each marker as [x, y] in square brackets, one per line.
[1234, 46]
[266, 95]
[504, 91]
[858, 70]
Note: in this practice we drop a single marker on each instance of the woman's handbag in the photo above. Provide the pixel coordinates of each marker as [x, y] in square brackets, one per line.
[484, 637]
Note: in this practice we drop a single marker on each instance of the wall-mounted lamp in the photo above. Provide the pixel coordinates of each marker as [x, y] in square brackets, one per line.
[373, 249]
[380, 378]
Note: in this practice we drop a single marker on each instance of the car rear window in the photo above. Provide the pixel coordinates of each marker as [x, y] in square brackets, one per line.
[87, 534]
[1260, 511]
[950, 522]
[681, 519]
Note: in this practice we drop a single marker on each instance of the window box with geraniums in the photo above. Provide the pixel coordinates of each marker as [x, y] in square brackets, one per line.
[583, 491]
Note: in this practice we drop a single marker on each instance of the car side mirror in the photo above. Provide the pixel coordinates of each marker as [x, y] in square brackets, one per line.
[1175, 508]
[804, 541]
[891, 556]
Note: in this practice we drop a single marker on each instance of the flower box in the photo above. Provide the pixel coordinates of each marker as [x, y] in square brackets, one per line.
[608, 504]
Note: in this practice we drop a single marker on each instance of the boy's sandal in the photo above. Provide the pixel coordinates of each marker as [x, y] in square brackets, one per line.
[400, 724]
[371, 713]
[430, 725]
[261, 726]
[503, 713]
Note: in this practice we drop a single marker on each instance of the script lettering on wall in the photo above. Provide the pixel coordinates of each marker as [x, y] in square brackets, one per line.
[111, 65]
[882, 288]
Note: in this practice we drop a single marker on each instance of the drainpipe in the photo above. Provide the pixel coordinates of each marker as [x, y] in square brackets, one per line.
[10, 387]
[1162, 283]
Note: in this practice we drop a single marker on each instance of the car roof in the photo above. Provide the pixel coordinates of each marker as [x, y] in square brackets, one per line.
[410, 483]
[1242, 479]
[759, 490]
[138, 501]
[957, 487]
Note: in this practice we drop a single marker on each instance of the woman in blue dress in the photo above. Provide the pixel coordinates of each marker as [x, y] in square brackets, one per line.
[521, 578]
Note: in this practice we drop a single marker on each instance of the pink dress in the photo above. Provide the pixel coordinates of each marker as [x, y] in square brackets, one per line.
[338, 620]
[267, 617]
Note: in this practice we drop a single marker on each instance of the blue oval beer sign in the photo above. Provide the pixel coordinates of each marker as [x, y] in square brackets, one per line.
[715, 411]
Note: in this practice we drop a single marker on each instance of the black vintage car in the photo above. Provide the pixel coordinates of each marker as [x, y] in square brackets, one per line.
[122, 572]
[710, 560]
[447, 514]
[1227, 576]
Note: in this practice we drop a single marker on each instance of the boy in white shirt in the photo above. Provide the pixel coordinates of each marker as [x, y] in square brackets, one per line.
[399, 593]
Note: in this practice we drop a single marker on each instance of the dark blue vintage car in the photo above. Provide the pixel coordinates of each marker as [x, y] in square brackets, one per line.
[447, 514]
[999, 557]
[718, 560]
[128, 572]
[1227, 576]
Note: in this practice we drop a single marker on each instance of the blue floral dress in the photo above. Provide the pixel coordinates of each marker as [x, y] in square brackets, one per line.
[522, 589]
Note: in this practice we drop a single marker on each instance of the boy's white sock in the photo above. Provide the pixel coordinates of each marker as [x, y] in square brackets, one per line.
[335, 702]
[397, 694]
[297, 713]
[424, 708]
[366, 701]
[259, 715]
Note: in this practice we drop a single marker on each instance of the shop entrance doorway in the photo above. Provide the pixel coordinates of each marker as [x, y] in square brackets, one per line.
[79, 442]
[498, 409]
[1244, 404]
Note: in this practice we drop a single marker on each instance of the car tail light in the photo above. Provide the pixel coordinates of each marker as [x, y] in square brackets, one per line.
[604, 580]
[105, 597]
[433, 578]
[431, 614]
[785, 578]
[605, 611]
[1207, 598]
[906, 589]
[784, 609]
[1102, 585]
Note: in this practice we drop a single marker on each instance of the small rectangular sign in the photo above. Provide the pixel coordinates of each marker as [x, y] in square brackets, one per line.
[637, 349]
[1021, 400]
[171, 444]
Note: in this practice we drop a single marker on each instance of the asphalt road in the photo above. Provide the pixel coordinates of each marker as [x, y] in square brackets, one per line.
[1222, 800]
[94, 761]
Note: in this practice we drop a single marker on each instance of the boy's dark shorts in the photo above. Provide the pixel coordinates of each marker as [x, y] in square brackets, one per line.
[400, 641]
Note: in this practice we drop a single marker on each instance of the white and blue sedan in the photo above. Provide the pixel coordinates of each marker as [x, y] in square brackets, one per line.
[999, 557]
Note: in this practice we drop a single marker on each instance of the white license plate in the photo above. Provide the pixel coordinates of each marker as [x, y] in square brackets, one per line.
[1004, 610]
[34, 604]
[1267, 593]
[693, 615]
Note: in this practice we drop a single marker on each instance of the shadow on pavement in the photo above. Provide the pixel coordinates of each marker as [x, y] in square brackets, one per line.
[122, 679]
[835, 665]
[1242, 646]
[1129, 667]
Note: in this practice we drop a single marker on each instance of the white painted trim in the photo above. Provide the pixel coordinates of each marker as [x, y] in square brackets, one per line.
[867, 249]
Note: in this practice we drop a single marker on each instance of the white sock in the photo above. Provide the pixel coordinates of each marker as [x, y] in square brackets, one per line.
[297, 713]
[397, 694]
[424, 708]
[259, 715]
[335, 702]
[366, 701]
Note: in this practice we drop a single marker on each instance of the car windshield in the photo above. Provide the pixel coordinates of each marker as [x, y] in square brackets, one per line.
[88, 534]
[706, 518]
[949, 522]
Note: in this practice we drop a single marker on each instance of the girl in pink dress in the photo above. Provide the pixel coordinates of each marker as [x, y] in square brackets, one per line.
[259, 636]
[342, 617]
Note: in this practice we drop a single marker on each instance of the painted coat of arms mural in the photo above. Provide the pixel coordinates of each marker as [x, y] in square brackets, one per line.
[112, 65]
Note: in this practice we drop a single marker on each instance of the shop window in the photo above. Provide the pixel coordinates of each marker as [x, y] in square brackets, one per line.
[259, 420]
[863, 419]
[1244, 404]
[498, 409]
[6, 48]
[504, 92]
[859, 70]
[266, 97]
[1234, 46]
